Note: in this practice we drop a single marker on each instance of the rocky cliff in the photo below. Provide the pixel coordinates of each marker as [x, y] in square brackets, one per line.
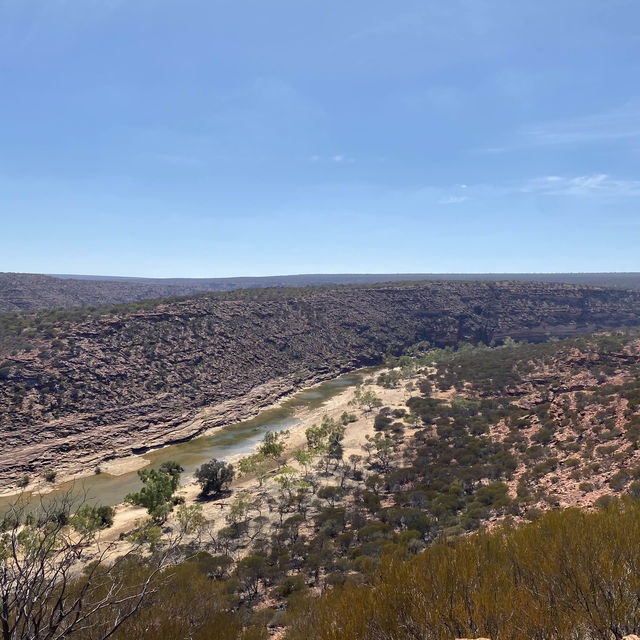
[75, 390]
[30, 292]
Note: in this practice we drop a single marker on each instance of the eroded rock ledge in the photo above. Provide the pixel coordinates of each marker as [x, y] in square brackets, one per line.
[111, 385]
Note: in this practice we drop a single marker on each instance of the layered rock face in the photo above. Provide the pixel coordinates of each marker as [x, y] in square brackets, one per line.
[30, 292]
[104, 386]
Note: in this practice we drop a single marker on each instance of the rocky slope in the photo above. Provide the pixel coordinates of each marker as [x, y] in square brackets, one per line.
[30, 292]
[75, 390]
[566, 414]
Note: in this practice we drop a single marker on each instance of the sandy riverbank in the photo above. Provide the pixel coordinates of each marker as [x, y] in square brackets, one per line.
[215, 511]
[126, 463]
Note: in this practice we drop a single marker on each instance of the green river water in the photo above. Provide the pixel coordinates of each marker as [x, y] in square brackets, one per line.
[239, 438]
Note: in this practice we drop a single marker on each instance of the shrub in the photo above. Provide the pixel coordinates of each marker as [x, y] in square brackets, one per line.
[619, 480]
[90, 518]
[214, 476]
[346, 418]
[382, 422]
[634, 489]
[495, 584]
[603, 502]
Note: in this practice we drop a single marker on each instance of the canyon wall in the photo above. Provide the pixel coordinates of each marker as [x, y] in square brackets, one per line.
[79, 391]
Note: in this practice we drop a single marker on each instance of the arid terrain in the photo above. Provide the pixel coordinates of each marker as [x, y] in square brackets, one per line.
[319, 320]
[30, 292]
[471, 459]
[79, 387]
[561, 422]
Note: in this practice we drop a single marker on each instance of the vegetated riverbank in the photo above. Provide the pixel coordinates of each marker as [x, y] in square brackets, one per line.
[441, 446]
[118, 476]
[77, 383]
[217, 512]
[321, 403]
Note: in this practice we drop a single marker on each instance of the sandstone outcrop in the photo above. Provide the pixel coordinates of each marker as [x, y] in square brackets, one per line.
[81, 390]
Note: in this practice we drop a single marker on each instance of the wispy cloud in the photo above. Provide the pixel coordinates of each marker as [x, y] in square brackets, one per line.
[337, 158]
[452, 199]
[619, 124]
[596, 184]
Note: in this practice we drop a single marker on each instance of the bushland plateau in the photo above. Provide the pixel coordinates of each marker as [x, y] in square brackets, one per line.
[483, 481]
[81, 385]
[30, 292]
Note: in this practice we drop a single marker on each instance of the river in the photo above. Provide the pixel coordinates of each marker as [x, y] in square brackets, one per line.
[238, 438]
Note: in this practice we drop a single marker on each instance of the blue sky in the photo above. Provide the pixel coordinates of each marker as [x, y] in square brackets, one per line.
[216, 137]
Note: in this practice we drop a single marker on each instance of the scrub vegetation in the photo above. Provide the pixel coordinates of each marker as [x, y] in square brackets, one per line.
[458, 517]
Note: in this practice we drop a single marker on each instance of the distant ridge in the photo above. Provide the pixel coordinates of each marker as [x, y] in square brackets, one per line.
[610, 279]
[30, 292]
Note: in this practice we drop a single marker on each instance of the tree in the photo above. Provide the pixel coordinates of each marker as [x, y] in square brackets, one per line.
[384, 450]
[330, 493]
[355, 459]
[347, 418]
[304, 457]
[43, 593]
[159, 487]
[286, 480]
[366, 399]
[272, 445]
[190, 518]
[368, 448]
[255, 463]
[326, 438]
[251, 571]
[214, 476]
[370, 400]
[89, 518]
[390, 379]
[335, 450]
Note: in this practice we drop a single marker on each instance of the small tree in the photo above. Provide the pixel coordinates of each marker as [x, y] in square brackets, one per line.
[159, 487]
[304, 457]
[214, 476]
[285, 478]
[43, 593]
[335, 449]
[255, 463]
[272, 445]
[383, 448]
[89, 518]
[190, 518]
[370, 400]
[355, 459]
[330, 493]
[243, 504]
[346, 418]
[366, 399]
